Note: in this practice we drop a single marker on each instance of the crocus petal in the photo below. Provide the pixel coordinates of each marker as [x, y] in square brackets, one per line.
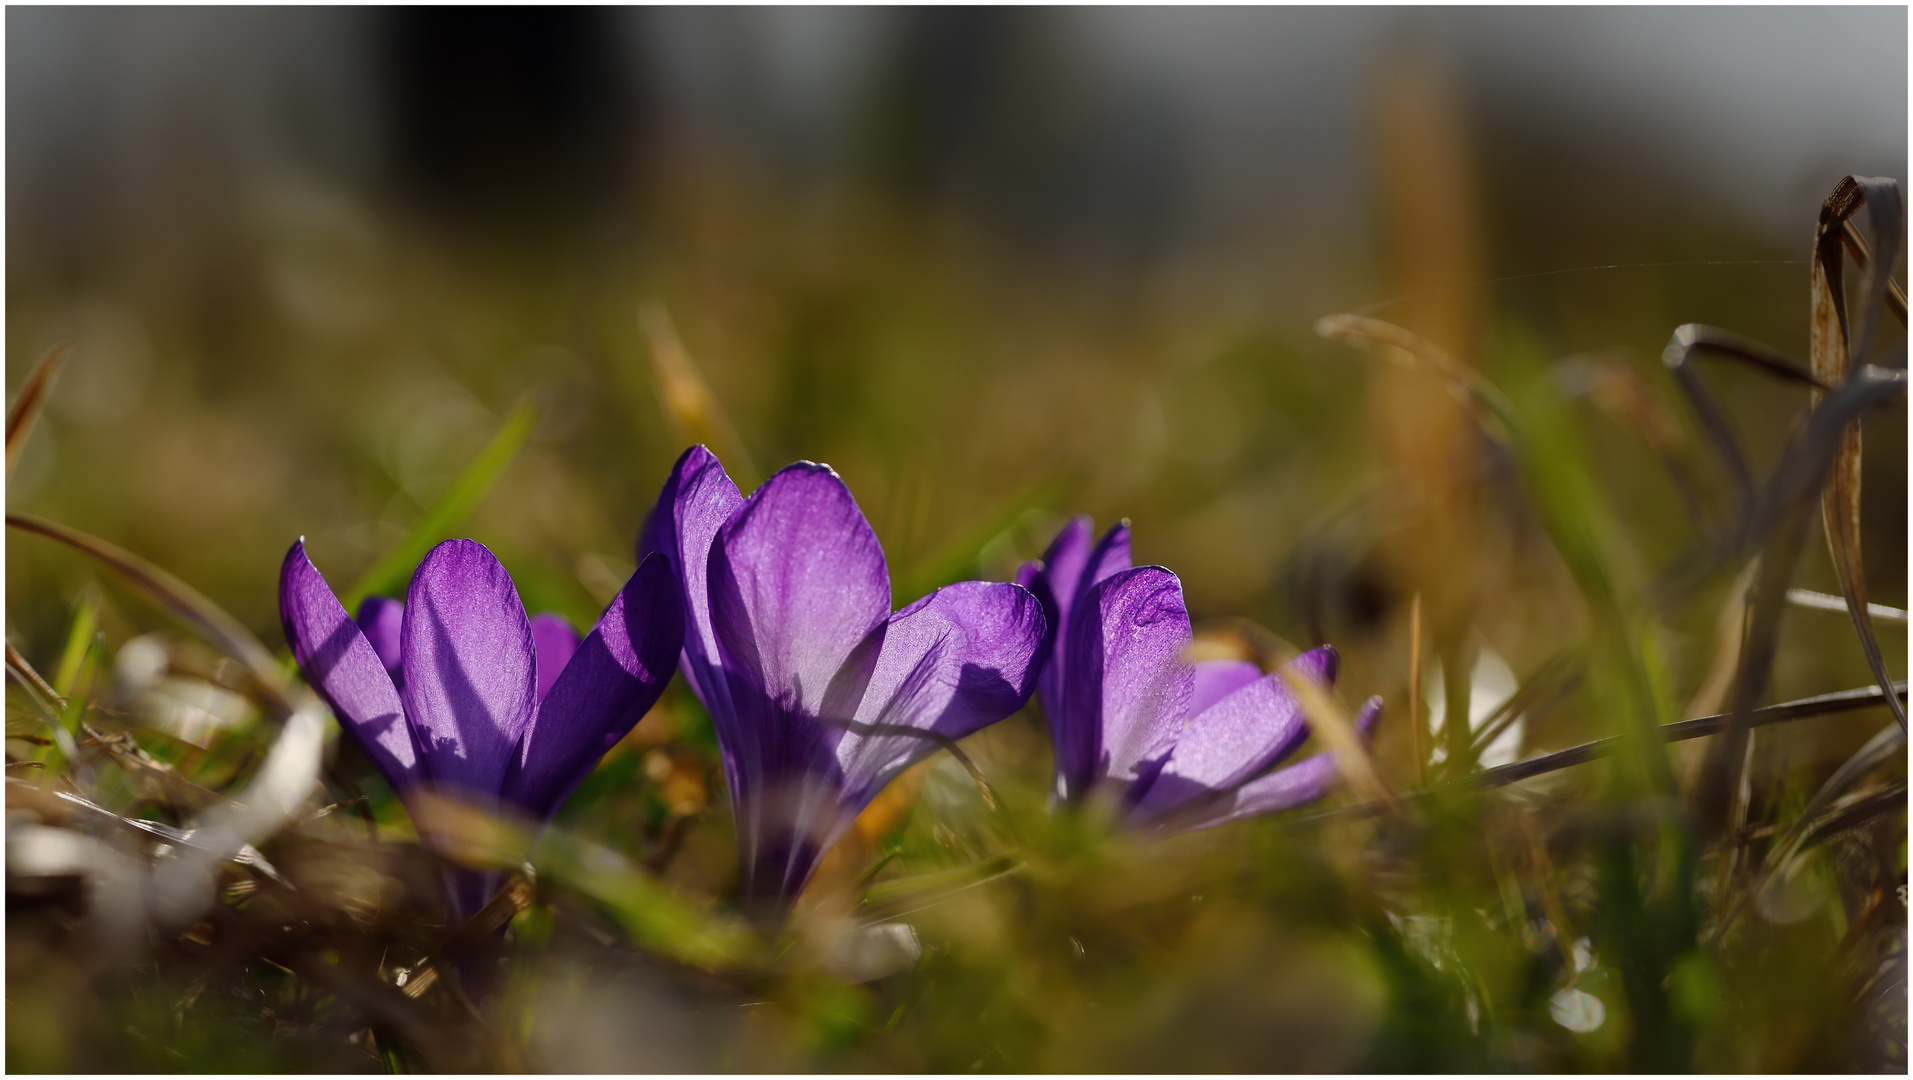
[470, 676]
[345, 669]
[1128, 686]
[1237, 737]
[1226, 744]
[379, 619]
[1109, 557]
[553, 640]
[1217, 679]
[959, 659]
[1071, 567]
[697, 498]
[1319, 665]
[1027, 573]
[1288, 787]
[798, 582]
[613, 680]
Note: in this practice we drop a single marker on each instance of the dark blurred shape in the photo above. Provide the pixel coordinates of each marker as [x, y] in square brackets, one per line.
[992, 109]
[942, 107]
[503, 112]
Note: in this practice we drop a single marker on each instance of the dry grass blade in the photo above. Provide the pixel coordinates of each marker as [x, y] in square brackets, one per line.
[1414, 692]
[1722, 773]
[693, 410]
[52, 709]
[1777, 521]
[30, 400]
[1730, 630]
[1401, 346]
[185, 886]
[1857, 813]
[1692, 340]
[1699, 727]
[1836, 349]
[1841, 701]
[1794, 842]
[23, 671]
[1621, 392]
[1555, 679]
[513, 897]
[1862, 253]
[1820, 601]
[1330, 723]
[178, 597]
[1883, 746]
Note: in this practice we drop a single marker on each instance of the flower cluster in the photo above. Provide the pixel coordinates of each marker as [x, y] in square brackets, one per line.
[777, 608]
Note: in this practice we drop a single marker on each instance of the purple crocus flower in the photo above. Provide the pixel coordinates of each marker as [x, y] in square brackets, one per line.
[819, 693]
[1186, 744]
[457, 690]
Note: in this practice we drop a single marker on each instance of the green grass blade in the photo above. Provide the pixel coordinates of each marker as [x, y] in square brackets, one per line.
[79, 638]
[392, 570]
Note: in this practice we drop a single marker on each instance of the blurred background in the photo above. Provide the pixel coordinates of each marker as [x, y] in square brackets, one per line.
[306, 258]
[995, 266]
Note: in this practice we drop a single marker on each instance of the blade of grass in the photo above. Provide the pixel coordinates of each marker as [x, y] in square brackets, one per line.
[1694, 340]
[1329, 722]
[1887, 744]
[894, 899]
[1402, 346]
[394, 568]
[1557, 676]
[49, 698]
[1836, 352]
[178, 597]
[1861, 253]
[1820, 601]
[79, 639]
[1842, 701]
[655, 916]
[31, 399]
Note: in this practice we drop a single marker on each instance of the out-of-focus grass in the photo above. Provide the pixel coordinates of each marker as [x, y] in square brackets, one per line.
[344, 367]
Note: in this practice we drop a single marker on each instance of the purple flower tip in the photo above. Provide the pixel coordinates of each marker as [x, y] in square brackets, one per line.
[819, 693]
[1190, 744]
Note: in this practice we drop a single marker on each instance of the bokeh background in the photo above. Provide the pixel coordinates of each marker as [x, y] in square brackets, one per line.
[995, 266]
